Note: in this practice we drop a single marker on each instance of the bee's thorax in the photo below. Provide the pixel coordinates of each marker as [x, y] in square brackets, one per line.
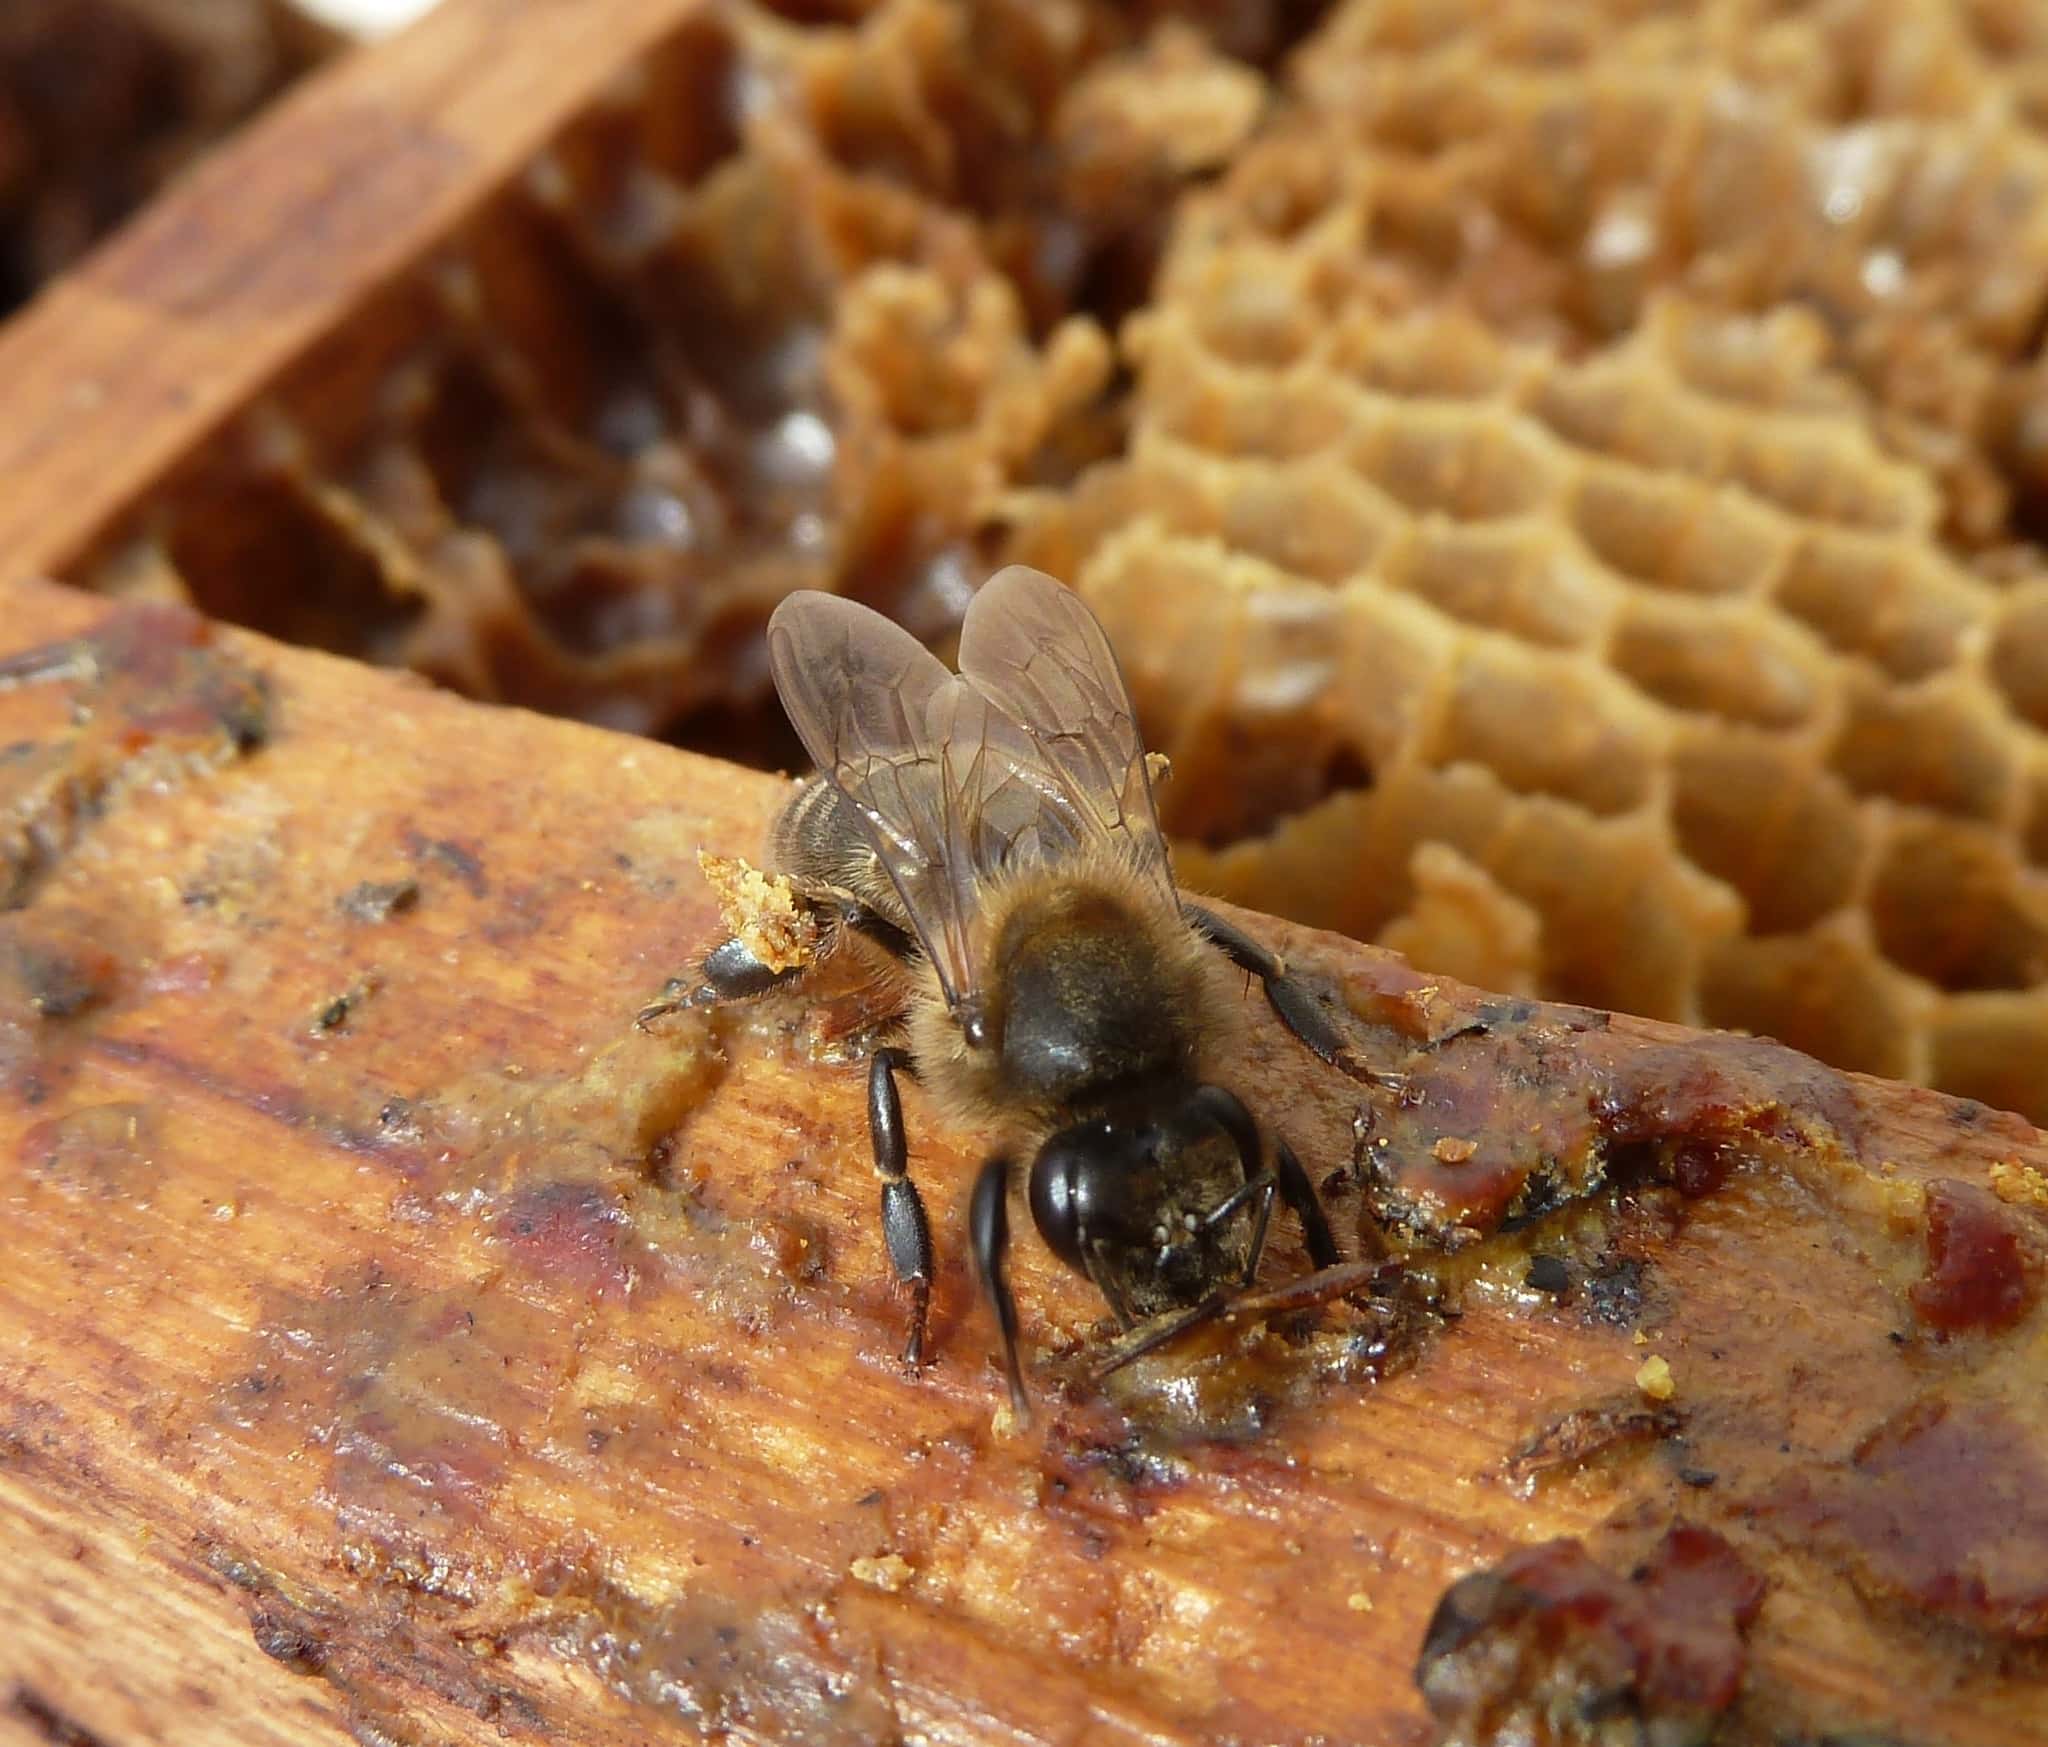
[1090, 1000]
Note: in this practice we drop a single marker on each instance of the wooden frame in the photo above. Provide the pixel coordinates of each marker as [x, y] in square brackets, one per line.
[183, 318]
[395, 1340]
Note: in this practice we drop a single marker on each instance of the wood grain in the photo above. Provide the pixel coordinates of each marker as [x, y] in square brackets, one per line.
[379, 1296]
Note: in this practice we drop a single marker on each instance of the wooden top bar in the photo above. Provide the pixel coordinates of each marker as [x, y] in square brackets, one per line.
[394, 1337]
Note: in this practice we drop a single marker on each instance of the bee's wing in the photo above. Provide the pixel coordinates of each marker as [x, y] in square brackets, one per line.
[929, 766]
[1036, 652]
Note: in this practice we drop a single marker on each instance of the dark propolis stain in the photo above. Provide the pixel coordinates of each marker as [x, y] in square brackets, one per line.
[1978, 1270]
[47, 1722]
[406, 1394]
[1943, 1507]
[458, 859]
[1506, 1112]
[58, 972]
[578, 1234]
[1550, 1633]
[153, 701]
[380, 900]
[1614, 1289]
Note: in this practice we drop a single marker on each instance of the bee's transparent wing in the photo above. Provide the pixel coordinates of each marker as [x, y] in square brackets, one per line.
[917, 750]
[1038, 654]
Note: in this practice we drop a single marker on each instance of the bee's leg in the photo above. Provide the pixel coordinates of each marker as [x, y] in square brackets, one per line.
[1163, 1332]
[1261, 1188]
[1227, 1111]
[898, 942]
[729, 972]
[1298, 1009]
[1300, 1194]
[45, 665]
[988, 1223]
[905, 1229]
[1268, 1184]
[1285, 1174]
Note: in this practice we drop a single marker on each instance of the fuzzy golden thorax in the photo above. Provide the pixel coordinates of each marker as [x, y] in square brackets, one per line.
[1093, 989]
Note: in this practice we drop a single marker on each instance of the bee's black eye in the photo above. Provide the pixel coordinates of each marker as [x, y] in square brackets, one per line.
[1058, 1197]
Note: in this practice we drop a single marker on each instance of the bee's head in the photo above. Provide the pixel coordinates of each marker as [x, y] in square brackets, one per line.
[1132, 1200]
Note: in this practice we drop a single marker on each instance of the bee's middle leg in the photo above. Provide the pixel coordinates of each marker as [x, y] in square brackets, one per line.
[1300, 1194]
[905, 1228]
[1289, 997]
[1296, 1007]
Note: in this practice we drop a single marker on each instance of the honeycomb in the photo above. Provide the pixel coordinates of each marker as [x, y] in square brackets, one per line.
[1567, 479]
[101, 100]
[1578, 517]
[741, 330]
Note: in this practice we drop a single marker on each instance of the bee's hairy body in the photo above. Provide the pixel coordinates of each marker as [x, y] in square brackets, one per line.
[1093, 999]
[986, 843]
[1095, 994]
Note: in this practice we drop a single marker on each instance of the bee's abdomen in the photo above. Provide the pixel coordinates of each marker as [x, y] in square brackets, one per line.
[818, 836]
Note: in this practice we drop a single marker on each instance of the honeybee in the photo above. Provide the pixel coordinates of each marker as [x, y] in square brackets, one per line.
[993, 833]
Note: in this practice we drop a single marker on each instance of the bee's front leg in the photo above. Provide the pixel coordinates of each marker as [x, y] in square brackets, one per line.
[905, 1228]
[1283, 1176]
[988, 1221]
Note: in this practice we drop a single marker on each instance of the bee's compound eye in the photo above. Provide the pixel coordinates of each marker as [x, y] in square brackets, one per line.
[1059, 1198]
[973, 1024]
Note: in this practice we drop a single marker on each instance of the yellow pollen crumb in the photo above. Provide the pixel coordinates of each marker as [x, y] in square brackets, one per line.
[1640, 1339]
[1905, 1207]
[1654, 1379]
[761, 910]
[1454, 1151]
[2020, 1185]
[890, 1572]
[1358, 1602]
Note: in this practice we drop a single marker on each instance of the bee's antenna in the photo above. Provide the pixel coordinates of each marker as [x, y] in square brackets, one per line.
[1340, 1280]
[1170, 1329]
